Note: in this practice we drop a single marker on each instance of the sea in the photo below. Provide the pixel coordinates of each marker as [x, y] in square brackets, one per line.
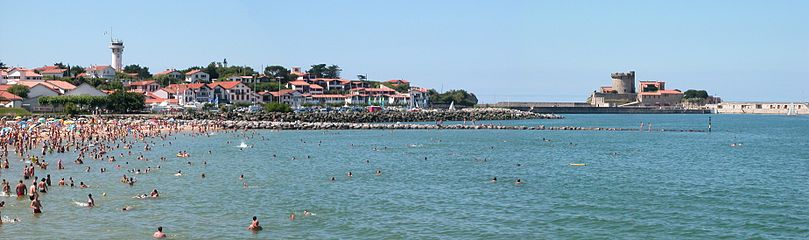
[746, 179]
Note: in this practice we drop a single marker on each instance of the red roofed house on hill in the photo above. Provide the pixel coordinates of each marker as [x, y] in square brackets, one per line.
[100, 72]
[233, 92]
[143, 86]
[195, 94]
[171, 73]
[21, 74]
[197, 76]
[51, 71]
[8, 99]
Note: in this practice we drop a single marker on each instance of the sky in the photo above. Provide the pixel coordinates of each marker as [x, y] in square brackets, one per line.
[500, 50]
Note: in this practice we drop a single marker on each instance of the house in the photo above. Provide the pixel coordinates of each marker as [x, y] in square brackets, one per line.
[143, 86]
[299, 85]
[8, 99]
[315, 89]
[289, 97]
[331, 83]
[60, 87]
[173, 73]
[654, 93]
[419, 97]
[243, 79]
[85, 89]
[187, 94]
[21, 74]
[37, 89]
[51, 71]
[99, 72]
[372, 96]
[323, 99]
[197, 76]
[399, 82]
[233, 92]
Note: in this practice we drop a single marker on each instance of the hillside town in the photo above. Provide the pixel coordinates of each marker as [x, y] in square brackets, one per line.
[204, 88]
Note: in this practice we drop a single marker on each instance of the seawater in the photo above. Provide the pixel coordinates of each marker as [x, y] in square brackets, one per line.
[640, 184]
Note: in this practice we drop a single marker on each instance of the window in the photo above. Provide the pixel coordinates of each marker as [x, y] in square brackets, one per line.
[758, 106]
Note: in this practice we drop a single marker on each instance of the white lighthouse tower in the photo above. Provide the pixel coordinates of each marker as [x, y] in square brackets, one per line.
[117, 47]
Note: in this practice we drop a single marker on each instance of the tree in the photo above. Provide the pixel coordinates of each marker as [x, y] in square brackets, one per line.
[691, 93]
[323, 71]
[402, 88]
[211, 69]
[3, 65]
[143, 72]
[277, 107]
[165, 80]
[279, 71]
[460, 97]
[125, 102]
[19, 90]
[60, 65]
[76, 70]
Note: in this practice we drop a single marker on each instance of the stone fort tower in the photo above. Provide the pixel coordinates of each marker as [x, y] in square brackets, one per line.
[623, 82]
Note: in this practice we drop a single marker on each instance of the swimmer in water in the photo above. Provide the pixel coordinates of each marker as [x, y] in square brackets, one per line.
[127, 208]
[90, 201]
[494, 179]
[350, 174]
[518, 182]
[254, 225]
[154, 193]
[159, 234]
[306, 213]
[292, 216]
[378, 172]
[81, 185]
[179, 173]
[36, 205]
[332, 179]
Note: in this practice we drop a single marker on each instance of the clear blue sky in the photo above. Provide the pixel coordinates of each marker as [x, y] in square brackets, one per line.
[500, 50]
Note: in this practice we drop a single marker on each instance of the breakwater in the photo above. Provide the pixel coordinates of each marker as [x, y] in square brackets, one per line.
[376, 117]
[298, 125]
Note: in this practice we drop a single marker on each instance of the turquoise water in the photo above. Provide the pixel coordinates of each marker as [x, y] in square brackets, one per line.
[635, 185]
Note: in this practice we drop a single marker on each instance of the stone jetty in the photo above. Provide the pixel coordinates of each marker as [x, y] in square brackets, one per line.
[299, 125]
[377, 117]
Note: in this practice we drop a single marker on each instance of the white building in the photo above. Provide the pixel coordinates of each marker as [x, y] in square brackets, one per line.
[196, 76]
[117, 47]
[21, 74]
[171, 73]
[100, 72]
[85, 90]
[781, 108]
[233, 92]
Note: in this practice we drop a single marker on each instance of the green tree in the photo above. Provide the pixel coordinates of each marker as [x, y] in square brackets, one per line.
[460, 97]
[19, 90]
[323, 71]
[402, 88]
[165, 80]
[60, 65]
[3, 65]
[691, 93]
[75, 70]
[279, 71]
[125, 102]
[277, 107]
[143, 72]
[212, 71]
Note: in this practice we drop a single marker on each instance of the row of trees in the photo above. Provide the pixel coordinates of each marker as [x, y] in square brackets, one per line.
[117, 102]
[460, 97]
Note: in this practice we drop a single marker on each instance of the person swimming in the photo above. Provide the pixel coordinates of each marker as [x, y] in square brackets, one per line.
[127, 208]
[494, 179]
[90, 201]
[378, 172]
[179, 173]
[154, 193]
[518, 182]
[159, 234]
[254, 225]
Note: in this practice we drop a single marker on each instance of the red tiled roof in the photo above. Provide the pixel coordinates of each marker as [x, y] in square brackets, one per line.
[5, 87]
[167, 71]
[299, 83]
[225, 85]
[9, 96]
[315, 86]
[398, 81]
[662, 92]
[96, 68]
[142, 83]
[62, 84]
[328, 96]
[192, 72]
